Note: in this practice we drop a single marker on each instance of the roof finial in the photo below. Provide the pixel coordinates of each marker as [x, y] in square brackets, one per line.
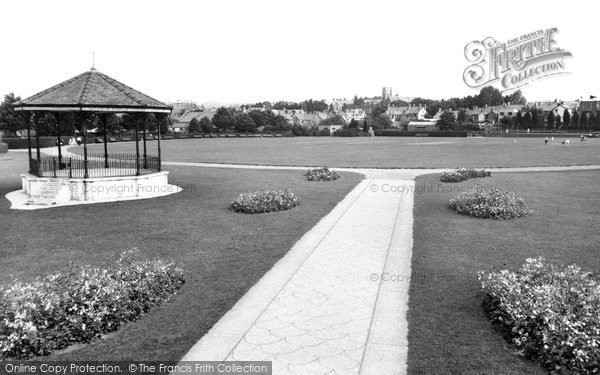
[93, 61]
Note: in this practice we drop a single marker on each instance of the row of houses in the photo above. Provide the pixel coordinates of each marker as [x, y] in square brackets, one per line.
[411, 117]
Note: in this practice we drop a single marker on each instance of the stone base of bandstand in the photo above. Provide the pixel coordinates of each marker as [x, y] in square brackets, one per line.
[44, 192]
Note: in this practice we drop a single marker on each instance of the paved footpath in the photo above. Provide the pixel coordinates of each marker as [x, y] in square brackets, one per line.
[324, 308]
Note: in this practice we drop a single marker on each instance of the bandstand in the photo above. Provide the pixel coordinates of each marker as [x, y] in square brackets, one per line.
[59, 177]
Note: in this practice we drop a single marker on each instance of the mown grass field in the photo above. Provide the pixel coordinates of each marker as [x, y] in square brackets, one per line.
[448, 330]
[222, 253]
[379, 152]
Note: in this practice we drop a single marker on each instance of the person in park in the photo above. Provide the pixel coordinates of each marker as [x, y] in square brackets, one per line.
[546, 141]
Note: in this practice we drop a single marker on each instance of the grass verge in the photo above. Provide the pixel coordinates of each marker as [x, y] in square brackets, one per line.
[221, 252]
[449, 333]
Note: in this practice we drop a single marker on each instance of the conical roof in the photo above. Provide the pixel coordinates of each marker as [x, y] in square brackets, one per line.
[89, 91]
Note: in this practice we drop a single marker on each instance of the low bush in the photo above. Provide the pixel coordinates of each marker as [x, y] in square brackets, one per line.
[490, 203]
[265, 200]
[82, 303]
[321, 174]
[549, 313]
[462, 174]
[3, 148]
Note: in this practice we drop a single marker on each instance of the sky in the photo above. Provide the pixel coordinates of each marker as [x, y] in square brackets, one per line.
[229, 51]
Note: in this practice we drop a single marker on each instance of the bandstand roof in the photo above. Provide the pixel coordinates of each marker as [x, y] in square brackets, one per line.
[91, 91]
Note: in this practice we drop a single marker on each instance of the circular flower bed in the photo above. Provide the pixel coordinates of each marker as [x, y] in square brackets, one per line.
[265, 200]
[321, 174]
[490, 203]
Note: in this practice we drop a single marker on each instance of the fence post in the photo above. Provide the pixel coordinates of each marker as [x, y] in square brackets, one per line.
[70, 167]
[54, 166]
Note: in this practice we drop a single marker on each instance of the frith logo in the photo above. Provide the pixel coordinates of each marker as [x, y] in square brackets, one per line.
[515, 63]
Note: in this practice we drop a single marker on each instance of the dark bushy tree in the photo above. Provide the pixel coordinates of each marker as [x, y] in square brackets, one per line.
[575, 120]
[567, 118]
[244, 123]
[194, 126]
[223, 119]
[10, 121]
[447, 121]
[206, 125]
[550, 120]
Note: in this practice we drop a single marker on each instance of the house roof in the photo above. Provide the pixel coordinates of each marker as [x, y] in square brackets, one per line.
[92, 91]
[189, 115]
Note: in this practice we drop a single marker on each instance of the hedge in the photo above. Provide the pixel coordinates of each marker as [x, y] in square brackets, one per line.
[21, 143]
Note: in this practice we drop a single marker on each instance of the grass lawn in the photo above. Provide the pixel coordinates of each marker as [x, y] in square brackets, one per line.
[381, 152]
[222, 253]
[448, 330]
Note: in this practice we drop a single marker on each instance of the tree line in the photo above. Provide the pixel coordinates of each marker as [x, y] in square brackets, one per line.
[51, 124]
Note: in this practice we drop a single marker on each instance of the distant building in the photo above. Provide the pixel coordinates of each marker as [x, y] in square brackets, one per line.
[181, 107]
[183, 123]
[308, 119]
[590, 106]
[401, 116]
[332, 128]
[386, 93]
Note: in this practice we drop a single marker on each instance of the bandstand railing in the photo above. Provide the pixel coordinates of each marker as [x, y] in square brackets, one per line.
[75, 166]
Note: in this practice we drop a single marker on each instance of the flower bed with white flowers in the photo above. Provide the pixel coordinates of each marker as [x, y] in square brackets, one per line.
[462, 174]
[78, 305]
[550, 313]
[265, 200]
[321, 174]
[490, 203]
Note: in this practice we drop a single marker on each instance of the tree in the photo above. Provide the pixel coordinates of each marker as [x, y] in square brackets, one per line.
[517, 98]
[223, 119]
[151, 122]
[314, 106]
[527, 120]
[381, 122]
[365, 126]
[194, 126]
[489, 96]
[519, 119]
[353, 124]
[10, 122]
[244, 123]
[557, 121]
[550, 119]
[462, 116]
[566, 118]
[206, 125]
[597, 122]
[259, 117]
[575, 120]
[165, 122]
[447, 121]
[279, 123]
[591, 121]
[584, 120]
